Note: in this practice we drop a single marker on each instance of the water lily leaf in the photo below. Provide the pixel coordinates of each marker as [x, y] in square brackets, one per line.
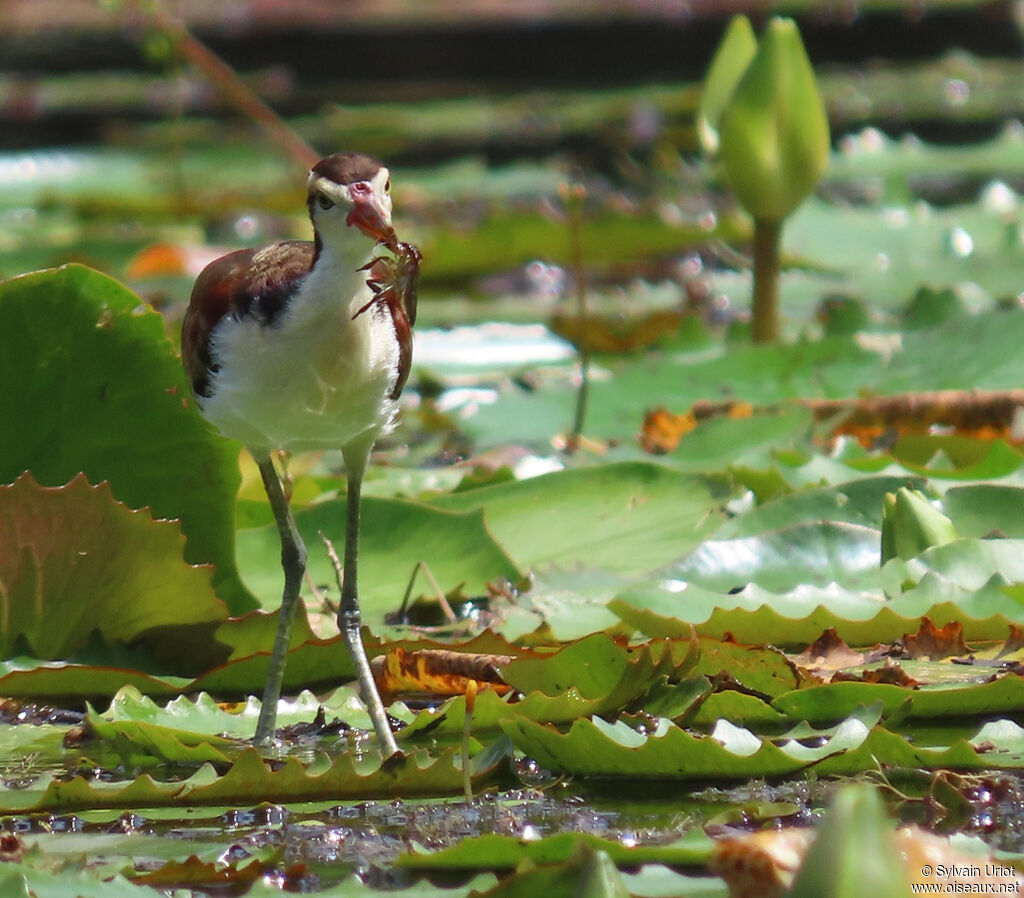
[93, 386]
[490, 709]
[23, 677]
[746, 710]
[142, 744]
[588, 872]
[73, 561]
[22, 742]
[395, 535]
[764, 670]
[595, 748]
[968, 563]
[829, 702]
[752, 615]
[254, 632]
[949, 459]
[200, 715]
[850, 502]
[753, 441]
[632, 516]
[24, 882]
[808, 554]
[571, 603]
[595, 675]
[986, 508]
[1001, 735]
[248, 778]
[315, 663]
[861, 617]
[679, 701]
[755, 374]
[595, 666]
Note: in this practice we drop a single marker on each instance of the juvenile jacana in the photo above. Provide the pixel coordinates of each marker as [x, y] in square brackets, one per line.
[303, 346]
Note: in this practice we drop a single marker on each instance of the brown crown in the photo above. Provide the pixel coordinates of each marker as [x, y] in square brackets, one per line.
[347, 168]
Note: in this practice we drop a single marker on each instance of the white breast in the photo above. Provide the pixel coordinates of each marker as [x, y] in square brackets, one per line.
[317, 378]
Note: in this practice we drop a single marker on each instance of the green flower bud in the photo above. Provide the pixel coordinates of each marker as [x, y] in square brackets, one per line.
[911, 524]
[773, 131]
[733, 56]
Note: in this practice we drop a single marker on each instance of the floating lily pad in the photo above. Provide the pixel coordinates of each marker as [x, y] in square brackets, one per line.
[73, 561]
[93, 386]
[632, 516]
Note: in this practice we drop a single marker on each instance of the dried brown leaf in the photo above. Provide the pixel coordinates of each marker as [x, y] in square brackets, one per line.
[935, 643]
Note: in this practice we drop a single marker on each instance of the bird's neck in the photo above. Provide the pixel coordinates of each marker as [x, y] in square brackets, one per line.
[336, 274]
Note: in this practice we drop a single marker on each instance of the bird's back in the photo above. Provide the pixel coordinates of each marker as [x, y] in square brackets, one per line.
[254, 283]
[276, 357]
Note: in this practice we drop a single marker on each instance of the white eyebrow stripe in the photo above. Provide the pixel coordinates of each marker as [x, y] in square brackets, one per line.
[319, 184]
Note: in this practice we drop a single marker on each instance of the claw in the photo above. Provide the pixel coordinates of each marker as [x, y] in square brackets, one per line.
[393, 281]
[377, 260]
[382, 293]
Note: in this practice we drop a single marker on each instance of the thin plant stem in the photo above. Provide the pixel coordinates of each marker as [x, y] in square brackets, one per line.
[442, 599]
[467, 729]
[233, 88]
[767, 240]
[575, 194]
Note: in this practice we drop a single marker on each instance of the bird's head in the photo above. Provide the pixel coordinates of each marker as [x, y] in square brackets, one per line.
[349, 200]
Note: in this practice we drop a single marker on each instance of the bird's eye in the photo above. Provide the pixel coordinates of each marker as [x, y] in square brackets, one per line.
[387, 186]
[324, 201]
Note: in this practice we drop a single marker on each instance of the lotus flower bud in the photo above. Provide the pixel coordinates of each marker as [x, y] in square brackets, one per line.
[773, 131]
[731, 60]
[911, 524]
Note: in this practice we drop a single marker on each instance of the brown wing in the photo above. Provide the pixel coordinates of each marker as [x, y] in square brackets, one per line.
[244, 284]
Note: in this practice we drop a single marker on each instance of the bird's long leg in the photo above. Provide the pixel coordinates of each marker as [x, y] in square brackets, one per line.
[349, 618]
[293, 560]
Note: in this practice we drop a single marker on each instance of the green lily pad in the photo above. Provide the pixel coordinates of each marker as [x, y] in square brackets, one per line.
[73, 561]
[632, 516]
[797, 617]
[395, 535]
[93, 386]
[809, 554]
[23, 677]
[856, 502]
[341, 778]
[595, 748]
[986, 508]
[833, 701]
